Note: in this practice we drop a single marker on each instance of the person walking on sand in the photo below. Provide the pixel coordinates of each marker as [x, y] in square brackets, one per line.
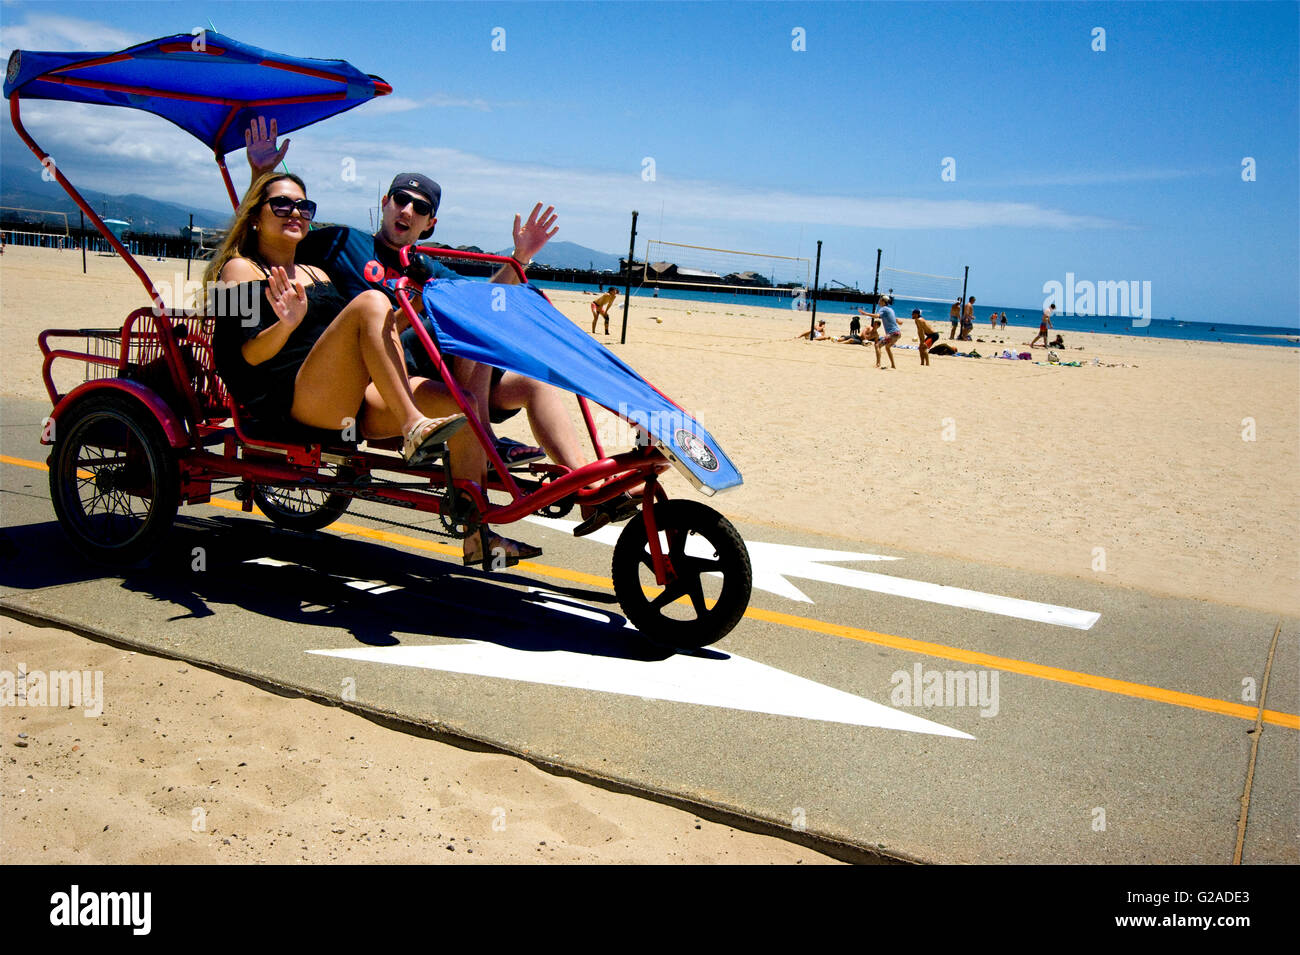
[926, 335]
[1045, 325]
[600, 308]
[1004, 321]
[954, 315]
[890, 332]
[967, 320]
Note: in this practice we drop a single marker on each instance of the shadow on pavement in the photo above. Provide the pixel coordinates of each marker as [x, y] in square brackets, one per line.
[373, 592]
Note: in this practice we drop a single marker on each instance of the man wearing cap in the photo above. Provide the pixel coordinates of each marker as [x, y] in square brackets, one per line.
[890, 332]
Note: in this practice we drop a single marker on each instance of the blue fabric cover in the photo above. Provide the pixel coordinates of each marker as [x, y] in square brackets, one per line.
[237, 71]
[514, 327]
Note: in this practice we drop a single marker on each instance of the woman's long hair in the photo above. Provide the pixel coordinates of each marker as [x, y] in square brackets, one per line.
[241, 240]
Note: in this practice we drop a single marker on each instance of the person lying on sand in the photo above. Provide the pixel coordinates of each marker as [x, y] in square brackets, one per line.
[817, 334]
[872, 334]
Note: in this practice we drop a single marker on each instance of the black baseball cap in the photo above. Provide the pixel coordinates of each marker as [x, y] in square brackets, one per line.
[420, 183]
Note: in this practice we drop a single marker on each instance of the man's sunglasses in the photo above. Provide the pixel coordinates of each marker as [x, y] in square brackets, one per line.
[419, 206]
[283, 207]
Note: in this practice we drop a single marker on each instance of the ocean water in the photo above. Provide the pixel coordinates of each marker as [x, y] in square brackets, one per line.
[837, 316]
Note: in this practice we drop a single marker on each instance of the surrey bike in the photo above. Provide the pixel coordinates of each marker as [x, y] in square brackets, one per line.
[152, 427]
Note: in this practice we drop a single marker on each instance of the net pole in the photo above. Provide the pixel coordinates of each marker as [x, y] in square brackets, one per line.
[812, 322]
[627, 278]
[964, 278]
[189, 247]
[83, 242]
[875, 287]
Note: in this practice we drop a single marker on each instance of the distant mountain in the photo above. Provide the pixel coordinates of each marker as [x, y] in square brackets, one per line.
[145, 215]
[570, 255]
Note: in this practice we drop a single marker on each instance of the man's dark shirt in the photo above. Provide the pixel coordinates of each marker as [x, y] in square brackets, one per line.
[356, 261]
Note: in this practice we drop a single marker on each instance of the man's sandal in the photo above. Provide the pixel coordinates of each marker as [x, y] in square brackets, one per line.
[500, 549]
[427, 435]
[516, 452]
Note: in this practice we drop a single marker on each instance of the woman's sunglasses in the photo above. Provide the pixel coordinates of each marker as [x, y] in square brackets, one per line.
[283, 207]
[419, 206]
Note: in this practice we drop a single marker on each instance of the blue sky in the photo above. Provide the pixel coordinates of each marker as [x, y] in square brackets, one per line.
[1115, 165]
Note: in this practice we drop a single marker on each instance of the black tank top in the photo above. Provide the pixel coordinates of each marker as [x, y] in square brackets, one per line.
[243, 312]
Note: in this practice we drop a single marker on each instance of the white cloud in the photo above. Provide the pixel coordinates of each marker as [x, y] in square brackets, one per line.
[402, 104]
[120, 151]
[1108, 177]
[392, 104]
[473, 184]
[444, 100]
[43, 31]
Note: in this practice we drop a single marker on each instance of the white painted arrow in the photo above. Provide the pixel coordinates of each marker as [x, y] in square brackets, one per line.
[731, 683]
[773, 563]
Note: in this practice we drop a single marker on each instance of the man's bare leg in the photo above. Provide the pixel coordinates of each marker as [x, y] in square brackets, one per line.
[547, 416]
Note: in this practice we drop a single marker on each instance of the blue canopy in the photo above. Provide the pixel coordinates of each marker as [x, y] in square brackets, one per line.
[514, 327]
[207, 84]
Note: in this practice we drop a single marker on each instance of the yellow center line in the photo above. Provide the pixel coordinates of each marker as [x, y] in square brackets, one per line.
[907, 644]
[19, 462]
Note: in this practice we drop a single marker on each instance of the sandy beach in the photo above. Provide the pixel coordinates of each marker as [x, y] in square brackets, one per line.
[1171, 467]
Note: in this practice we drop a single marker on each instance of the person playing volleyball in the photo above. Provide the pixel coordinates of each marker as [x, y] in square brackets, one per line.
[926, 335]
[600, 308]
[890, 330]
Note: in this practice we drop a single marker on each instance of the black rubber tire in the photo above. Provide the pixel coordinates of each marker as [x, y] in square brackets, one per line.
[121, 512]
[300, 509]
[657, 616]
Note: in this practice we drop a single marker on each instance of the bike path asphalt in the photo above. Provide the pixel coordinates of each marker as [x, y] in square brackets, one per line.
[1105, 725]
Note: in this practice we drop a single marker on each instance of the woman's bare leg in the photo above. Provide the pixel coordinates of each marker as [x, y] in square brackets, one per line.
[360, 346]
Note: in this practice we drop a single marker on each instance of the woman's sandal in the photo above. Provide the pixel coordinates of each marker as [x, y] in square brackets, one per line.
[501, 548]
[422, 441]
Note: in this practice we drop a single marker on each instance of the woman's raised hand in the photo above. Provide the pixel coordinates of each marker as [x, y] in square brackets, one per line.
[288, 298]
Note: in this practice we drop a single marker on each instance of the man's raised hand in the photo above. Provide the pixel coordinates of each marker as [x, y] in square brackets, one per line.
[533, 234]
[263, 157]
